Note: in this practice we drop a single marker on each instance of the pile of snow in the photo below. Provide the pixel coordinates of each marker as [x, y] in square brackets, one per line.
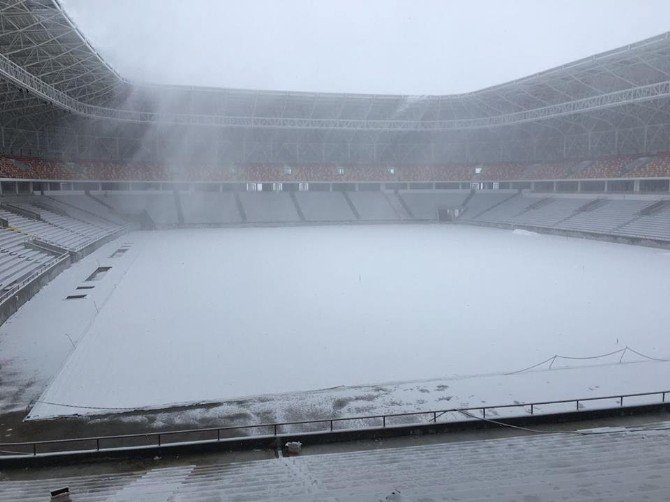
[521, 231]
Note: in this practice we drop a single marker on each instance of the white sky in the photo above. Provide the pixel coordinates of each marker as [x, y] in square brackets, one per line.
[380, 46]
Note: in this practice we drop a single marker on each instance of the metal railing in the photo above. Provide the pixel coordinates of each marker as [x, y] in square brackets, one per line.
[326, 425]
[10, 291]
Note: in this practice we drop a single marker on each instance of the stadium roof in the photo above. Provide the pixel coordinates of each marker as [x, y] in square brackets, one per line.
[47, 65]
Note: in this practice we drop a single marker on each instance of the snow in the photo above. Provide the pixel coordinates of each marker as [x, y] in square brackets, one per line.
[212, 315]
[37, 340]
[423, 396]
[521, 231]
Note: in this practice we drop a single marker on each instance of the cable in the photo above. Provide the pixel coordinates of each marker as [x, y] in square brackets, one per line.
[578, 432]
[15, 452]
[550, 359]
[86, 407]
[553, 358]
[503, 424]
[591, 357]
[646, 356]
[531, 367]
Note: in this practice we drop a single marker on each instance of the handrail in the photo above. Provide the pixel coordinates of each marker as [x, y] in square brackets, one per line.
[6, 293]
[275, 427]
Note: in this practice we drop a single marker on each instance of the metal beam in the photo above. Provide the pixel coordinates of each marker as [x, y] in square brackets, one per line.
[38, 87]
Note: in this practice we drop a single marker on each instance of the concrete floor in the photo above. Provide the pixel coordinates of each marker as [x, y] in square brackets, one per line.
[128, 465]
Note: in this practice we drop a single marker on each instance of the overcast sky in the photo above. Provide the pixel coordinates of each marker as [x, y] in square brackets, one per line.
[380, 46]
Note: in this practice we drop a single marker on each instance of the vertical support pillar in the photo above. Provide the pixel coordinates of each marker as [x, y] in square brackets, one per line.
[616, 141]
[645, 140]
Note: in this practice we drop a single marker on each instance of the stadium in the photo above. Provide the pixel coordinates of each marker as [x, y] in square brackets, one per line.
[388, 282]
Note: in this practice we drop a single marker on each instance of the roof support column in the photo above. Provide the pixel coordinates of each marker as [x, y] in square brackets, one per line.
[616, 141]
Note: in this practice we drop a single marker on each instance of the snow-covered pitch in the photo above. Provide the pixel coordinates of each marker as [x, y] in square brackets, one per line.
[215, 314]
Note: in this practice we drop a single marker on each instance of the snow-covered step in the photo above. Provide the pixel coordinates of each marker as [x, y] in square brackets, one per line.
[424, 204]
[372, 206]
[157, 485]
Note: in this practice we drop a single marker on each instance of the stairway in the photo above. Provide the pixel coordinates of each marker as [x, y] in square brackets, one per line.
[351, 205]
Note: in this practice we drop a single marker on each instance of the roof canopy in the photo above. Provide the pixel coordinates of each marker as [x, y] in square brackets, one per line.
[50, 75]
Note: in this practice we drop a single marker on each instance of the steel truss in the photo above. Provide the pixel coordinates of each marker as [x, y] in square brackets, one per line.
[59, 98]
[36, 86]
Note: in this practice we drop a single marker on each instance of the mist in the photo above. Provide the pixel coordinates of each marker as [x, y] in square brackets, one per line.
[377, 46]
[276, 225]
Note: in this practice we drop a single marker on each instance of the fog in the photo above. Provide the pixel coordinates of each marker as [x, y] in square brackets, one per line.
[183, 256]
[377, 46]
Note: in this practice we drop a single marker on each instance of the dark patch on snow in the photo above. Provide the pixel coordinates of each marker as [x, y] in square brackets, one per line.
[98, 274]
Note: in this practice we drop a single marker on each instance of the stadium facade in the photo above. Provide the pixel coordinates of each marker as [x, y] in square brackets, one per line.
[61, 100]
[582, 149]
[87, 156]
